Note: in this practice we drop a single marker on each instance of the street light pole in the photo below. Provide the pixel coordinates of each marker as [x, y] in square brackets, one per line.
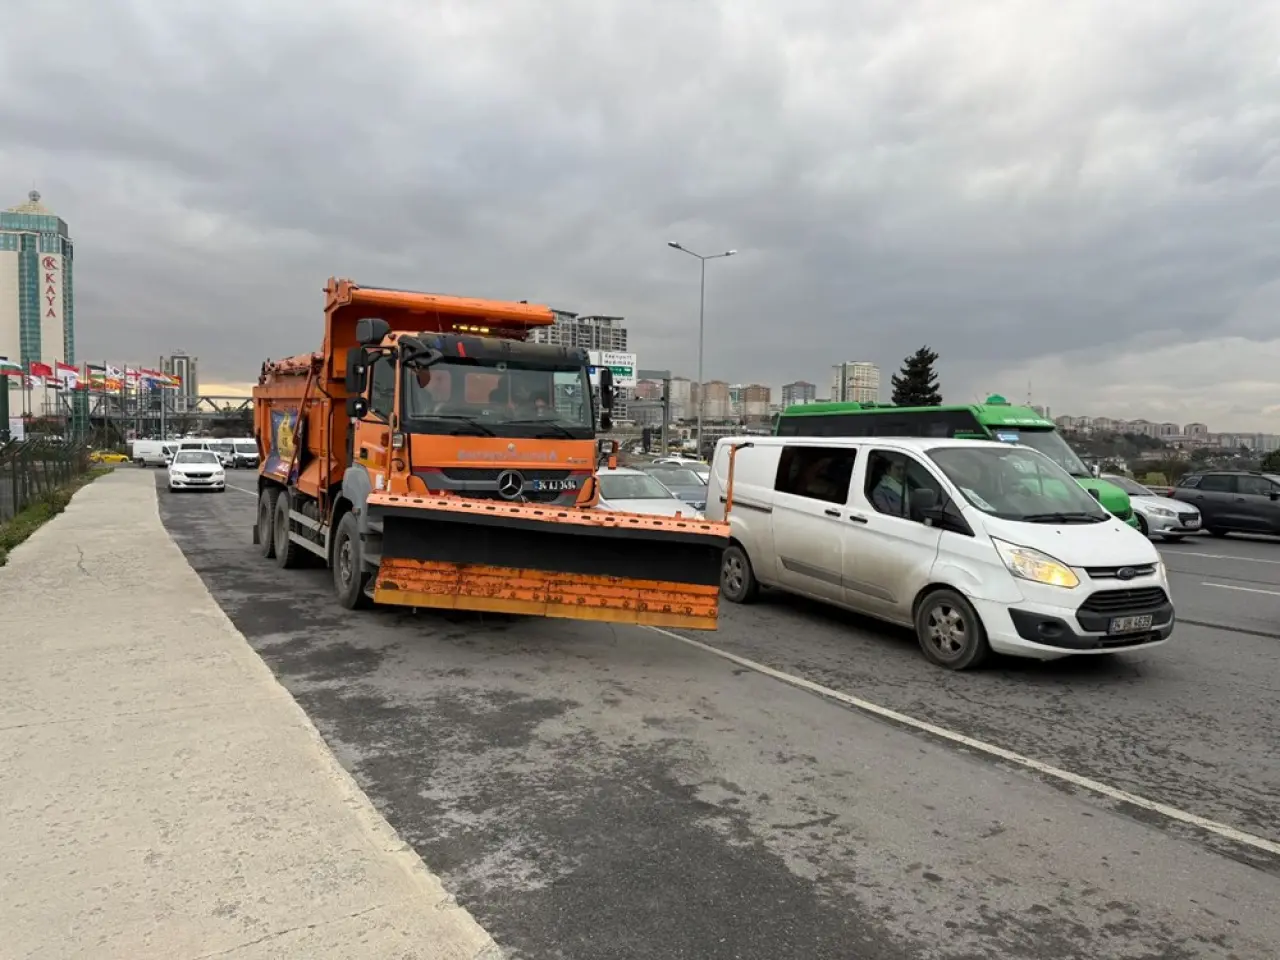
[702, 314]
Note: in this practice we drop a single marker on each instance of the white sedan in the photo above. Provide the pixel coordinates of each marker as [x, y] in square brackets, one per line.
[633, 491]
[1158, 516]
[197, 470]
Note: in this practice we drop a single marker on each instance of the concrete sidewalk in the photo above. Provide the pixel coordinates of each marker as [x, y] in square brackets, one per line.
[160, 794]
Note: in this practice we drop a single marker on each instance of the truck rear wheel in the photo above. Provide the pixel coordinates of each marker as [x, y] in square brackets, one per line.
[266, 521]
[288, 553]
[349, 575]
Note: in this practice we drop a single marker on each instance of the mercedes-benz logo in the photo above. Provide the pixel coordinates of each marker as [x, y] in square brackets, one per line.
[1126, 573]
[510, 483]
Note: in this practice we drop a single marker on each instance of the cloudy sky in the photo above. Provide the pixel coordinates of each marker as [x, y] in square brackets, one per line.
[1084, 196]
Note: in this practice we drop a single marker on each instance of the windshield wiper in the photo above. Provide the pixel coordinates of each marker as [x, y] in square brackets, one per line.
[469, 421]
[1063, 517]
[560, 428]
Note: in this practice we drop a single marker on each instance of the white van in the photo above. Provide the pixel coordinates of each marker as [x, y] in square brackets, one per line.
[977, 545]
[152, 453]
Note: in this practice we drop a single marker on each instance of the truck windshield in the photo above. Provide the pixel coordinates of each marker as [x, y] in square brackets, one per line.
[1048, 442]
[515, 399]
[1017, 484]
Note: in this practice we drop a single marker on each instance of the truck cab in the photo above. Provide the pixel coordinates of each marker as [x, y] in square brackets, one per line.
[470, 415]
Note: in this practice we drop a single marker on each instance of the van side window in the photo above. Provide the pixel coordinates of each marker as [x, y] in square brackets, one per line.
[899, 486]
[819, 473]
[382, 396]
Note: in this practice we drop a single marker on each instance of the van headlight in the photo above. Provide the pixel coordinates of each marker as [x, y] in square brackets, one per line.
[1028, 564]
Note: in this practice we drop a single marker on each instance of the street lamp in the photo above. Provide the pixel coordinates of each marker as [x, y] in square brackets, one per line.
[702, 307]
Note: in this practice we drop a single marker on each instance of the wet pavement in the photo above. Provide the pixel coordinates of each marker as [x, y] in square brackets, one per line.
[595, 791]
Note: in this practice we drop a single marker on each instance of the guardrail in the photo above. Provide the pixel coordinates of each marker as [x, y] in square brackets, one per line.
[32, 469]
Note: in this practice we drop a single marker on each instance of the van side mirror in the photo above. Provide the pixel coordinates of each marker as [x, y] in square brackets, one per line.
[922, 501]
[357, 369]
[1095, 494]
[1275, 494]
[371, 330]
[357, 407]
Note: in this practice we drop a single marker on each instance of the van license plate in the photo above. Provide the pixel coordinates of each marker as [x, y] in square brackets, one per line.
[1130, 624]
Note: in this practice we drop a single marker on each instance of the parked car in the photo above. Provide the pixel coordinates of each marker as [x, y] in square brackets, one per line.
[1158, 515]
[683, 482]
[107, 456]
[634, 491]
[978, 546]
[1233, 501]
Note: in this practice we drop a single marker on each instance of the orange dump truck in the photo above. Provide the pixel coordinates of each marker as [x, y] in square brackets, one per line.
[432, 457]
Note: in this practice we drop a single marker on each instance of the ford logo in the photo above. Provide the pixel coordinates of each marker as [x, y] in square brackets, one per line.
[1126, 573]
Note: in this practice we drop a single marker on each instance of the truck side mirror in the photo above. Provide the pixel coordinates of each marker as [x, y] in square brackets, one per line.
[357, 407]
[371, 330]
[357, 369]
[606, 389]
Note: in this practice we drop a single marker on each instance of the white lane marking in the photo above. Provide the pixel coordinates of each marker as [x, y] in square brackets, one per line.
[1093, 786]
[1218, 556]
[1227, 586]
[252, 493]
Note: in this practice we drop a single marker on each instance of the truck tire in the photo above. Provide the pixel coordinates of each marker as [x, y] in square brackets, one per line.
[349, 575]
[266, 521]
[288, 554]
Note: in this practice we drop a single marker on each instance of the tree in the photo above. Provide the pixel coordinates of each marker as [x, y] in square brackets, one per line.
[1271, 462]
[916, 385]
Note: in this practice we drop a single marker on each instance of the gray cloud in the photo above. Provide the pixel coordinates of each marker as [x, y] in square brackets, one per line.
[1009, 182]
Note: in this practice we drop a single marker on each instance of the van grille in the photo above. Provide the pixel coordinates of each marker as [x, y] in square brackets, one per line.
[1123, 601]
[1113, 573]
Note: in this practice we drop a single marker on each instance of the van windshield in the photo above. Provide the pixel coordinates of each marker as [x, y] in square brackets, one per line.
[246, 446]
[1017, 484]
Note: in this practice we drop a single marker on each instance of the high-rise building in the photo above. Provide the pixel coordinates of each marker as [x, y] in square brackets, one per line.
[749, 400]
[801, 391]
[37, 299]
[590, 333]
[681, 393]
[714, 398]
[187, 368]
[857, 381]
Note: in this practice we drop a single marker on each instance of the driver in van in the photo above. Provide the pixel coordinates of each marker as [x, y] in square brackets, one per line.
[890, 493]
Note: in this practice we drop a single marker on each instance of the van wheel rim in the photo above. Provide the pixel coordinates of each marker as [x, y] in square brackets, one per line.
[733, 574]
[946, 631]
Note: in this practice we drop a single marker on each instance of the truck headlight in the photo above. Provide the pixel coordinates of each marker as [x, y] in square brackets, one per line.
[1028, 564]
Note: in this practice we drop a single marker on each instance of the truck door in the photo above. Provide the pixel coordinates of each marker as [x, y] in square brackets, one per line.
[371, 438]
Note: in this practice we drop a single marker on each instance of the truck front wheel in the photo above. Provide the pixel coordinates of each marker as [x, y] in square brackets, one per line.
[349, 576]
[266, 521]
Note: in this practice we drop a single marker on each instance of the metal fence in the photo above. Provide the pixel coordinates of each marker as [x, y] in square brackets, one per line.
[31, 469]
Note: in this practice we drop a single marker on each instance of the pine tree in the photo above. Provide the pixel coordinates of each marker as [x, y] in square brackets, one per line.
[916, 385]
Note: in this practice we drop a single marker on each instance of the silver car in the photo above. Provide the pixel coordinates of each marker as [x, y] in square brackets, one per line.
[1158, 517]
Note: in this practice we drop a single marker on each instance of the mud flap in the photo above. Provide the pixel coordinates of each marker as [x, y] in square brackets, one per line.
[550, 562]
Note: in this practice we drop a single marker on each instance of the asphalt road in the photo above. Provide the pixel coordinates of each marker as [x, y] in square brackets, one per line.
[1232, 583]
[593, 791]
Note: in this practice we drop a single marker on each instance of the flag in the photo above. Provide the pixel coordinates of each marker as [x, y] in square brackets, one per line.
[68, 374]
[131, 377]
[9, 369]
[35, 383]
[112, 371]
[42, 370]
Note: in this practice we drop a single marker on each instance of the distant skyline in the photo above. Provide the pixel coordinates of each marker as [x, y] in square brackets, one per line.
[1082, 195]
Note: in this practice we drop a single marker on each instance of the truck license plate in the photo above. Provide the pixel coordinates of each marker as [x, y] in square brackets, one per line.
[1130, 624]
[555, 484]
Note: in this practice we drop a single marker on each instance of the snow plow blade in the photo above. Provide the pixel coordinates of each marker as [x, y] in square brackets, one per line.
[540, 561]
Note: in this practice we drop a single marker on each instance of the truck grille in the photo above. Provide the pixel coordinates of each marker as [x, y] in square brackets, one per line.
[491, 473]
[1122, 601]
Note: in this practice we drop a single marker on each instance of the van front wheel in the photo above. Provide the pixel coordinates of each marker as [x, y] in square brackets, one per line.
[950, 632]
[737, 580]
